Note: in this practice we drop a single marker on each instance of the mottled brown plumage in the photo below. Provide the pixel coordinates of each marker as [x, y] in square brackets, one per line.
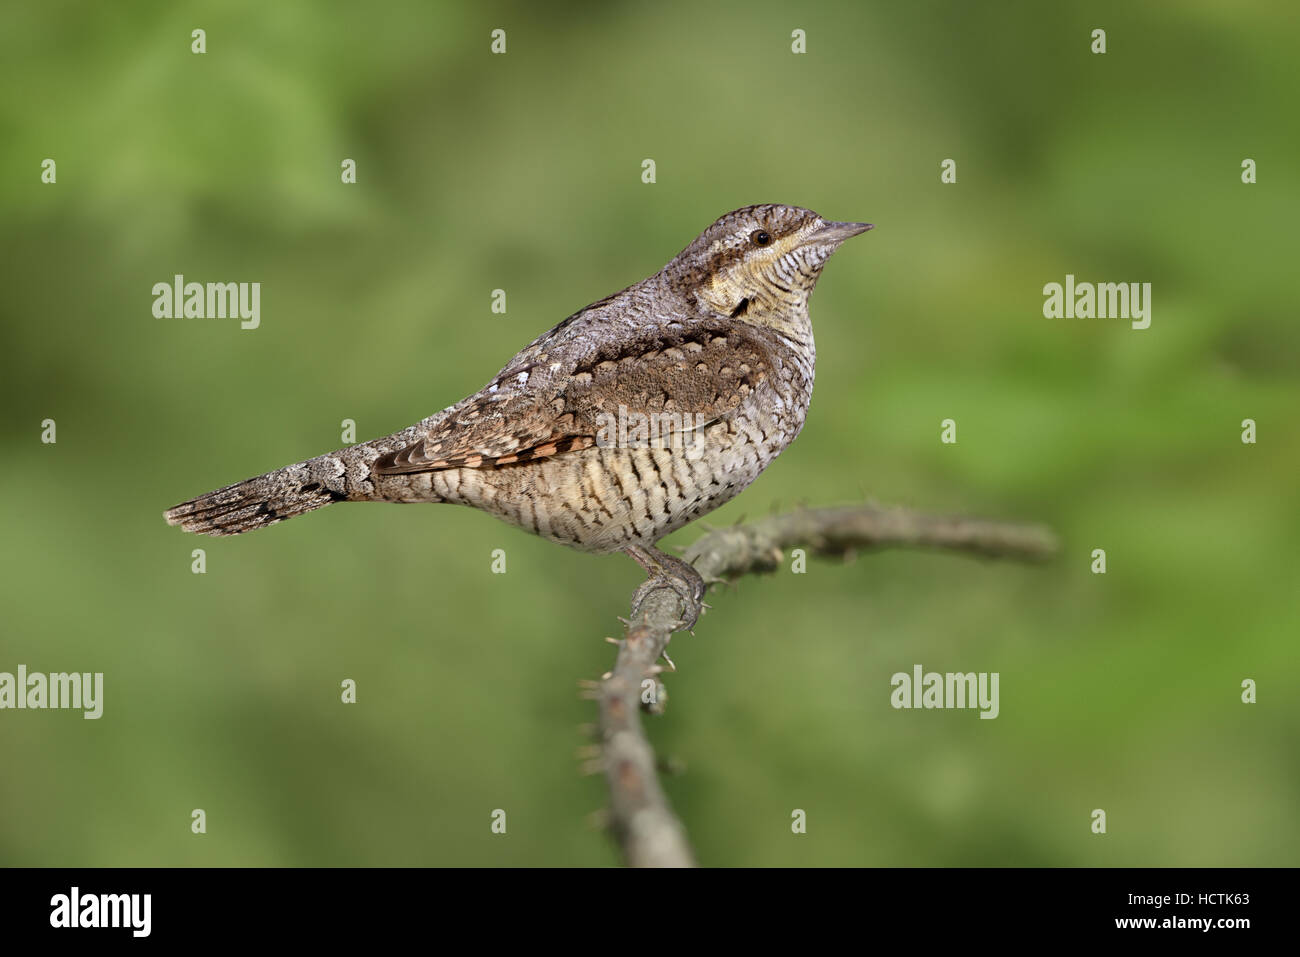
[716, 350]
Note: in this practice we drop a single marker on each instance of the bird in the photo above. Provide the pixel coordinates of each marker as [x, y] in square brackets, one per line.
[631, 418]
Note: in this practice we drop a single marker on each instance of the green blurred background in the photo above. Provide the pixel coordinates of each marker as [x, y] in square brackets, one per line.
[522, 172]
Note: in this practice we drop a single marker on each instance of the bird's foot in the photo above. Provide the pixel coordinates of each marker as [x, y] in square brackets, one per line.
[667, 570]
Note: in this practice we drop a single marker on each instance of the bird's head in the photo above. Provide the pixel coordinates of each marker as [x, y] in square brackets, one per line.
[760, 262]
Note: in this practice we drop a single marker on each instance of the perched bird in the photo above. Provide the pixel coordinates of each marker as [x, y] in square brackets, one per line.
[629, 419]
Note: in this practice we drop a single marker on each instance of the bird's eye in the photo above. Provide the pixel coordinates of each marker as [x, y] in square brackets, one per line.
[760, 237]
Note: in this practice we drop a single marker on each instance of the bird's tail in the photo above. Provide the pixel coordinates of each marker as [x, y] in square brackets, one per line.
[342, 476]
[255, 502]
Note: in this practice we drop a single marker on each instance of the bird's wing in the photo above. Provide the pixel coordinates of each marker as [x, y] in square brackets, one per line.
[686, 377]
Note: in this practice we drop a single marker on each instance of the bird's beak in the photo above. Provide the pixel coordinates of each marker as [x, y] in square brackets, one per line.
[838, 232]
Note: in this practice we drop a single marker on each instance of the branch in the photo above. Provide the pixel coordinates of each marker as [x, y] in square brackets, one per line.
[643, 823]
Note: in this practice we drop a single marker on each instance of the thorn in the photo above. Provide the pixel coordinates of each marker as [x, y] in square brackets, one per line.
[704, 606]
[626, 623]
[606, 676]
[614, 641]
[664, 656]
[588, 684]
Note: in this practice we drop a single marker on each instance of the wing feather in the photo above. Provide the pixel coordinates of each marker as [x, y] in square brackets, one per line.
[702, 370]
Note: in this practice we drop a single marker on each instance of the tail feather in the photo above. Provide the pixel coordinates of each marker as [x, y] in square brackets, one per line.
[342, 476]
[254, 503]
